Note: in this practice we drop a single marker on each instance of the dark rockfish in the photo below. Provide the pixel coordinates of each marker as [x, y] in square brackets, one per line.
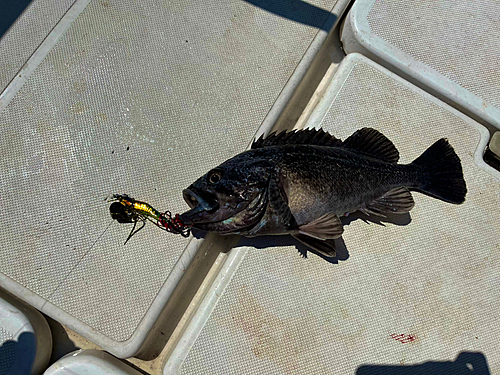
[301, 182]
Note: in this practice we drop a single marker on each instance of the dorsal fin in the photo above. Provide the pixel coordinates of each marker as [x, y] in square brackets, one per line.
[367, 141]
[317, 137]
[373, 143]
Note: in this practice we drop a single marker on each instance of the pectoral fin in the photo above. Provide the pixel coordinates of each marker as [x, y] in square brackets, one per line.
[324, 247]
[326, 227]
[395, 201]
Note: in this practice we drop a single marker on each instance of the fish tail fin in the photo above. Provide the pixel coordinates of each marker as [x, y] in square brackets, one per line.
[442, 173]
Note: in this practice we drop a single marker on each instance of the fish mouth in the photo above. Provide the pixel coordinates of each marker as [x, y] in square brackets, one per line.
[203, 204]
[204, 199]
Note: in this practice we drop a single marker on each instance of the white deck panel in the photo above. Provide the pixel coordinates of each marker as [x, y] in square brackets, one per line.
[418, 296]
[139, 98]
[87, 362]
[449, 47]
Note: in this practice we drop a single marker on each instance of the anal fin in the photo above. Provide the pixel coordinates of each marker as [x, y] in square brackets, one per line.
[395, 201]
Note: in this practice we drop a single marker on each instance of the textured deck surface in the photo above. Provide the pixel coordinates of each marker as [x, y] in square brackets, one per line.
[139, 98]
[449, 47]
[26, 34]
[456, 38]
[423, 291]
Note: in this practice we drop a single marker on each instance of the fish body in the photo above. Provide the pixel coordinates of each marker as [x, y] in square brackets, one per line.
[302, 182]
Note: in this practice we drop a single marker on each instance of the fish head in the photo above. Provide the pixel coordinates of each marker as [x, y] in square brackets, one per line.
[229, 197]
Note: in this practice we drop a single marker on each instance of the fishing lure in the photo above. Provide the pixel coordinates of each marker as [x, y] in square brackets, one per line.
[126, 209]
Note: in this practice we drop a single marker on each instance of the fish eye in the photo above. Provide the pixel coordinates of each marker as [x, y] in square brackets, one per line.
[214, 176]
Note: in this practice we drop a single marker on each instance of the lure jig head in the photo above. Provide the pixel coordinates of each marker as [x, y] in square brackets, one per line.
[126, 209]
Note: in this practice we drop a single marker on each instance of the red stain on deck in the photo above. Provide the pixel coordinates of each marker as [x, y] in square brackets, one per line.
[402, 338]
